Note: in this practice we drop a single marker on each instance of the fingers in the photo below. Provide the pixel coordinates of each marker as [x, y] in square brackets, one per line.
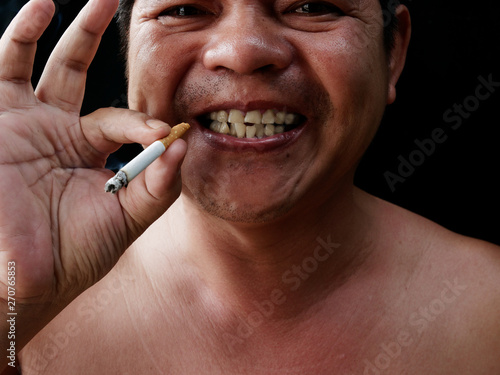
[63, 81]
[108, 128]
[160, 176]
[18, 44]
[149, 195]
[152, 192]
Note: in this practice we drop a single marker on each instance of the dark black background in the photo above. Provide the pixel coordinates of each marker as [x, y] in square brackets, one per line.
[453, 43]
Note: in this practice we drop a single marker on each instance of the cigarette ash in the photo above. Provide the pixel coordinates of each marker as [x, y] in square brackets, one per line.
[116, 183]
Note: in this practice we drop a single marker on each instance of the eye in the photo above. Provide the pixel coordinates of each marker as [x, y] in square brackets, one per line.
[315, 9]
[180, 11]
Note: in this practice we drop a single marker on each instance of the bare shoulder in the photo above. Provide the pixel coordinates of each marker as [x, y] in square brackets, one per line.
[455, 288]
[123, 324]
[472, 268]
[448, 254]
[84, 332]
[405, 225]
[470, 258]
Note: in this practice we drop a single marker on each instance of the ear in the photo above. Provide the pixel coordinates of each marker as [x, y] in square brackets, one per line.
[397, 56]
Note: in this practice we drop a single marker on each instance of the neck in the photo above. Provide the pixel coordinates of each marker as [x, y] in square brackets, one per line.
[300, 258]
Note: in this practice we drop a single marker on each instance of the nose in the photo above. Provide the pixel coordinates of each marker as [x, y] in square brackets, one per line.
[245, 42]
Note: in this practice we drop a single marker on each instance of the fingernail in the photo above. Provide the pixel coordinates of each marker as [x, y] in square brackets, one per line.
[156, 124]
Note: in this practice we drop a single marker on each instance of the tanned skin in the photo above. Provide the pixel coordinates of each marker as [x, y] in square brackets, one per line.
[267, 260]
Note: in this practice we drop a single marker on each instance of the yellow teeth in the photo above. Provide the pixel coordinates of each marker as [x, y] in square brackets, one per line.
[253, 124]
[253, 117]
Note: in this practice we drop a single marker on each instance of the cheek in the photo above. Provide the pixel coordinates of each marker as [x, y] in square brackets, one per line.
[155, 69]
[349, 58]
[351, 67]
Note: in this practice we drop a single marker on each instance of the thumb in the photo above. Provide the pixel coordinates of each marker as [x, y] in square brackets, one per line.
[149, 194]
[153, 191]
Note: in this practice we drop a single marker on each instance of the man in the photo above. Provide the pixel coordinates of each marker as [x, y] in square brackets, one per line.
[270, 261]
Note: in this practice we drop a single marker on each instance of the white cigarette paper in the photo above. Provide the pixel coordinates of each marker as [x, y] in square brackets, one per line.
[144, 159]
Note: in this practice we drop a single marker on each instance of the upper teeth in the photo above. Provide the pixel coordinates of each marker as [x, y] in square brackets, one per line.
[253, 124]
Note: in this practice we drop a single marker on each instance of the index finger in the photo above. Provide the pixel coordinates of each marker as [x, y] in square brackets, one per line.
[63, 81]
[18, 44]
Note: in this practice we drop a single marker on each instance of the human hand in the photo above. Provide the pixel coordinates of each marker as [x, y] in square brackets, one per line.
[57, 224]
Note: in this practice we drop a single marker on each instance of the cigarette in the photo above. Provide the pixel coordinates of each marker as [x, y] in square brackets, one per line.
[144, 159]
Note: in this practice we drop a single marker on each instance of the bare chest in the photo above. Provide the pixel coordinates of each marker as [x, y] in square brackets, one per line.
[126, 327]
[182, 344]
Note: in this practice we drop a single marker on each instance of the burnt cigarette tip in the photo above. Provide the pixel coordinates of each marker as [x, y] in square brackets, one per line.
[116, 183]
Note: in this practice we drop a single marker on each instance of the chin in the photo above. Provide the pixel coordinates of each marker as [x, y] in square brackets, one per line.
[244, 212]
[242, 202]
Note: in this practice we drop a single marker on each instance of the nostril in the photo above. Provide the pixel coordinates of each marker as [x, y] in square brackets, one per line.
[246, 55]
[267, 68]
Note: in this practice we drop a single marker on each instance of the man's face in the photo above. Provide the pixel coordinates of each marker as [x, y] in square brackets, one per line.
[322, 63]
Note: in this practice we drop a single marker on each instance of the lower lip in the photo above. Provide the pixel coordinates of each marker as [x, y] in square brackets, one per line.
[224, 142]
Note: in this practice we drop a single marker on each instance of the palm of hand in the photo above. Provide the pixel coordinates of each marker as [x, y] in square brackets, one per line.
[56, 222]
[47, 192]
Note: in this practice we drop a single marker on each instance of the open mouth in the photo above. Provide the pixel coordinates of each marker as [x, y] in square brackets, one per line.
[253, 124]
